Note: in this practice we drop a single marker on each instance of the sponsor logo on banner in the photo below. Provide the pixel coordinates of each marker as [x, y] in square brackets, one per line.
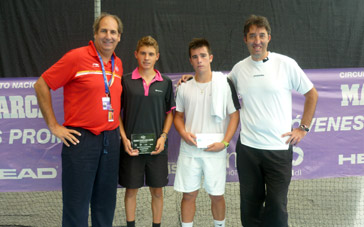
[351, 159]
[39, 173]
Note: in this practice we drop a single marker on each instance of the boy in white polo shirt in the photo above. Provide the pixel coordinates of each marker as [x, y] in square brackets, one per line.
[206, 113]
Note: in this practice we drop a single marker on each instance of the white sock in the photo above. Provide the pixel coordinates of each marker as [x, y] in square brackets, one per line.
[190, 224]
[219, 223]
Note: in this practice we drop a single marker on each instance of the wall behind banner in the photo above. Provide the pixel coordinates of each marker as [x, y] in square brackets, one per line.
[318, 34]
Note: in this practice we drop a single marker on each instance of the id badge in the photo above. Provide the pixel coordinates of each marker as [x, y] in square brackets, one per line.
[106, 103]
[110, 115]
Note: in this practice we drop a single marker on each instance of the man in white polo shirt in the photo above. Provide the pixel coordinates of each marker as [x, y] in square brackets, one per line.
[265, 81]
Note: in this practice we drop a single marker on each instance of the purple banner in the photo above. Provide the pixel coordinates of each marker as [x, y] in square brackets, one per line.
[29, 153]
[335, 145]
[30, 156]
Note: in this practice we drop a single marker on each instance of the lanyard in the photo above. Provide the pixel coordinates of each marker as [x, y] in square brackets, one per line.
[107, 84]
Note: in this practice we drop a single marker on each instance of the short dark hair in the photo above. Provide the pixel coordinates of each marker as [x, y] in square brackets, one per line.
[259, 21]
[97, 21]
[197, 43]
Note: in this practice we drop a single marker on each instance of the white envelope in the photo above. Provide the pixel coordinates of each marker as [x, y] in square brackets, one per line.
[205, 139]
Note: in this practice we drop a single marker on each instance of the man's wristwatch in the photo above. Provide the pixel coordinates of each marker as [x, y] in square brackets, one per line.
[226, 144]
[304, 128]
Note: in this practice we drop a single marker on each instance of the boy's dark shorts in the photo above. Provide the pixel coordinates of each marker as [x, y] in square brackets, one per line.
[133, 170]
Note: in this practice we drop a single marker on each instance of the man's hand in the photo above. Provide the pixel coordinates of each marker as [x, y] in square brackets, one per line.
[184, 78]
[295, 136]
[215, 147]
[65, 134]
[128, 149]
[44, 98]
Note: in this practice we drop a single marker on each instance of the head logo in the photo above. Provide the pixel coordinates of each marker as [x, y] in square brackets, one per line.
[40, 173]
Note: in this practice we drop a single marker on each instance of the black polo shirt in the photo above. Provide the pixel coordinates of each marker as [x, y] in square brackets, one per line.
[145, 107]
